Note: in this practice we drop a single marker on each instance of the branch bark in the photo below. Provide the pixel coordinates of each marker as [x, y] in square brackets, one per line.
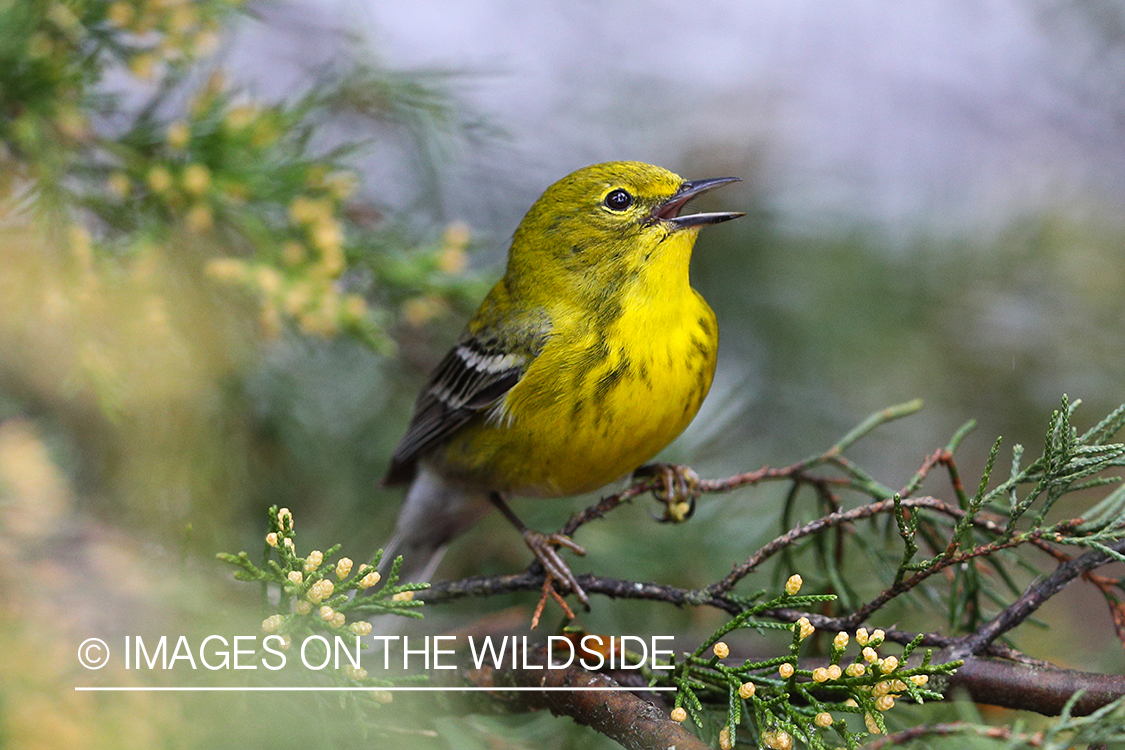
[622, 716]
[1034, 597]
[1044, 690]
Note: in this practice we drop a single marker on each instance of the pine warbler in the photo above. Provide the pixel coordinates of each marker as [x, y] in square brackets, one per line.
[584, 361]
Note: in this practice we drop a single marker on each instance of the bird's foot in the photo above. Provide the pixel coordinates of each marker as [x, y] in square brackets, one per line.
[677, 487]
[545, 547]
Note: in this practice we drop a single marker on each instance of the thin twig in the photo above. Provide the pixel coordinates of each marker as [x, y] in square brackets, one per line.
[1032, 599]
[953, 728]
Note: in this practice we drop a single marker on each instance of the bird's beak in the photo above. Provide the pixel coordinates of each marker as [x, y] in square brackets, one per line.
[669, 210]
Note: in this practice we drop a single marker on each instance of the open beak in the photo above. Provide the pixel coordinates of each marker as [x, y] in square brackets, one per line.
[669, 210]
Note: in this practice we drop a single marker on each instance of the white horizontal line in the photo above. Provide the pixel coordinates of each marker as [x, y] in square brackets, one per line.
[397, 688]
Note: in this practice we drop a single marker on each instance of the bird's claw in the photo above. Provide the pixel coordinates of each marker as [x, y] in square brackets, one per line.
[677, 487]
[545, 547]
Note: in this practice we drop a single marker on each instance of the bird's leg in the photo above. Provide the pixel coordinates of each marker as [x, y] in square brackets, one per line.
[676, 486]
[545, 548]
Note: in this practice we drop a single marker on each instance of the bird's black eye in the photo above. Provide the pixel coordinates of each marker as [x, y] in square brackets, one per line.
[618, 200]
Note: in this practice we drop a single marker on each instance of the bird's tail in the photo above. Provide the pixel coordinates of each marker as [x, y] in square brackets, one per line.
[433, 513]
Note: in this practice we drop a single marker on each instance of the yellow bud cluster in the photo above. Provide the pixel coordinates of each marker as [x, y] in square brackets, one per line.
[369, 580]
[177, 31]
[272, 623]
[196, 178]
[793, 585]
[191, 197]
[806, 628]
[343, 568]
[159, 179]
[241, 117]
[746, 690]
[353, 673]
[721, 649]
[313, 561]
[320, 591]
[724, 738]
[312, 298]
[453, 259]
[417, 311]
[785, 670]
[679, 714]
[777, 740]
[143, 66]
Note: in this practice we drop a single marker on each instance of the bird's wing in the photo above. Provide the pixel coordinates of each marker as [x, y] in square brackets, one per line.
[475, 374]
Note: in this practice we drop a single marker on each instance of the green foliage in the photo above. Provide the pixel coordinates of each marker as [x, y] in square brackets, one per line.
[973, 537]
[936, 535]
[315, 597]
[779, 699]
[53, 57]
[1102, 727]
[251, 192]
[1069, 463]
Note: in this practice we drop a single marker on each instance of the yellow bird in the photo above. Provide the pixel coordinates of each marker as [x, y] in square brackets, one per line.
[591, 354]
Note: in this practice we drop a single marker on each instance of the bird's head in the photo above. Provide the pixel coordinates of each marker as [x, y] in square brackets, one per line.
[609, 222]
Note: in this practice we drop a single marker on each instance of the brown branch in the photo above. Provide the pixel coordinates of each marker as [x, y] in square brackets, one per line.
[1009, 678]
[614, 588]
[1044, 690]
[746, 567]
[884, 598]
[717, 594]
[1033, 598]
[606, 504]
[1104, 584]
[706, 486]
[830, 624]
[622, 716]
